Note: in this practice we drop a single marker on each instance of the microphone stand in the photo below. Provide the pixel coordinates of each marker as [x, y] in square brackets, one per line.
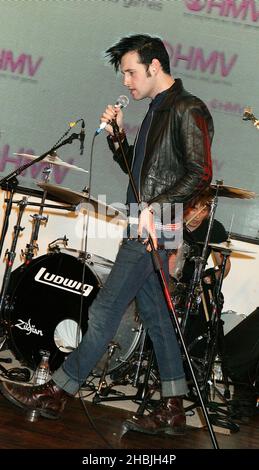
[158, 268]
[11, 186]
[11, 180]
[7, 179]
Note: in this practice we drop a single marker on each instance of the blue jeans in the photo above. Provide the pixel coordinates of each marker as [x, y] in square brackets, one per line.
[132, 276]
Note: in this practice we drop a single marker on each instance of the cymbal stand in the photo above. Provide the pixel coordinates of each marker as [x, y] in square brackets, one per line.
[220, 348]
[215, 347]
[6, 179]
[134, 365]
[164, 285]
[10, 256]
[102, 387]
[10, 181]
[11, 187]
[37, 220]
[200, 263]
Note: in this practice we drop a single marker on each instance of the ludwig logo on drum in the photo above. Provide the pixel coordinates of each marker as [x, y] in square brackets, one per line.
[64, 283]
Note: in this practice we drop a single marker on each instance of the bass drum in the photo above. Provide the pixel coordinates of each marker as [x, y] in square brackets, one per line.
[44, 305]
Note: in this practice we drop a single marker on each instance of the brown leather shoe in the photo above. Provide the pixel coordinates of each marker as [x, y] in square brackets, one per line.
[48, 399]
[168, 418]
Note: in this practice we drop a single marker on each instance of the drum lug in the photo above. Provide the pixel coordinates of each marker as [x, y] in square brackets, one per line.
[8, 306]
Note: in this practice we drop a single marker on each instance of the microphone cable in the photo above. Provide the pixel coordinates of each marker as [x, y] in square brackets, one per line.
[85, 238]
[17, 374]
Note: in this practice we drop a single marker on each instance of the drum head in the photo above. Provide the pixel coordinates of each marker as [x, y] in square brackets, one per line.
[44, 305]
[47, 293]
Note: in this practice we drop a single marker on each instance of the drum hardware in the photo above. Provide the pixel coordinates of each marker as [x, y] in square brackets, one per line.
[112, 346]
[213, 335]
[82, 256]
[38, 220]
[10, 256]
[10, 182]
[213, 351]
[129, 370]
[33, 247]
[215, 347]
[193, 299]
[200, 261]
[146, 390]
[54, 246]
[9, 186]
[213, 338]
[51, 157]
[49, 206]
[183, 251]
[139, 372]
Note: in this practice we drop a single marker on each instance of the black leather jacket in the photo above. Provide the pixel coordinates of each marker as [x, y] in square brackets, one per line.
[177, 164]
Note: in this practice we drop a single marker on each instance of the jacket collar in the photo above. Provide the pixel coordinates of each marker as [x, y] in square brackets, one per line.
[172, 92]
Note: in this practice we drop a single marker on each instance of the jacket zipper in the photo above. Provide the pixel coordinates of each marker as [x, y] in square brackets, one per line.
[152, 115]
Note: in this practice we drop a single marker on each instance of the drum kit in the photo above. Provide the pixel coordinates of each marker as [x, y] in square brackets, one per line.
[40, 301]
[198, 304]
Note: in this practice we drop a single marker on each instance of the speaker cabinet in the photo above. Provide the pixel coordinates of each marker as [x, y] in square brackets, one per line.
[242, 349]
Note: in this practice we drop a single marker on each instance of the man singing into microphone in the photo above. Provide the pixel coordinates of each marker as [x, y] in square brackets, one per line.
[171, 163]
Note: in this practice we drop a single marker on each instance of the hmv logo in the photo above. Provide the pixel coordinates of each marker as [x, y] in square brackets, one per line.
[22, 64]
[233, 9]
[60, 282]
[196, 58]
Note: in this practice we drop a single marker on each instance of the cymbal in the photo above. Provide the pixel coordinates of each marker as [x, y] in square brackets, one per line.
[53, 160]
[231, 191]
[229, 245]
[75, 197]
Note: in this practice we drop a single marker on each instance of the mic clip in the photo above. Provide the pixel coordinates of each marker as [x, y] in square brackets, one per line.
[82, 137]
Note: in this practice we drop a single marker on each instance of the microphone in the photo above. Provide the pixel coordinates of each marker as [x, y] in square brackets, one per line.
[121, 102]
[247, 115]
[82, 137]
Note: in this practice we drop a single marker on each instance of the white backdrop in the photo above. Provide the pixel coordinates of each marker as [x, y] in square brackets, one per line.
[52, 71]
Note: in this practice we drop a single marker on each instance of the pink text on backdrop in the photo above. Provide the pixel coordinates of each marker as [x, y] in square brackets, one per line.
[234, 9]
[23, 64]
[194, 58]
